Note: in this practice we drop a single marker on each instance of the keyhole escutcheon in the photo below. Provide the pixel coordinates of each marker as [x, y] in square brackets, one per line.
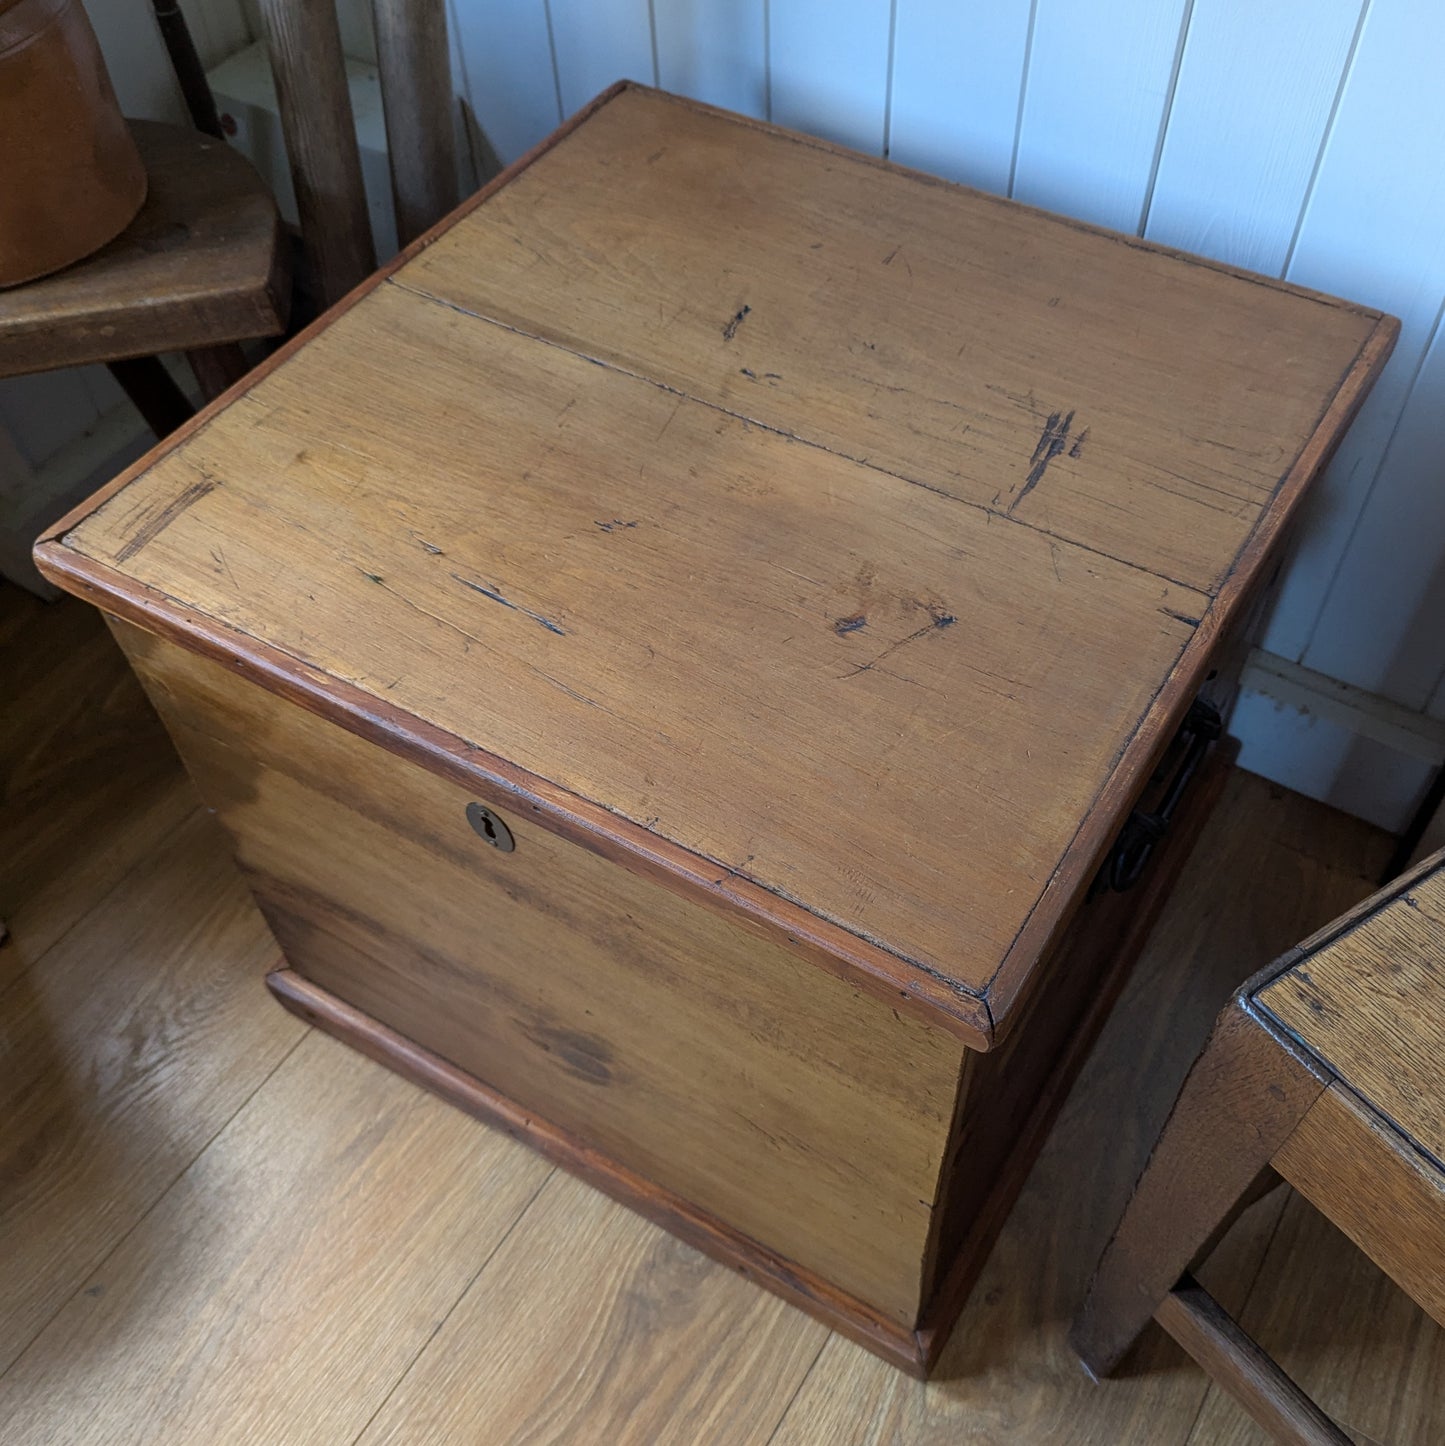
[489, 827]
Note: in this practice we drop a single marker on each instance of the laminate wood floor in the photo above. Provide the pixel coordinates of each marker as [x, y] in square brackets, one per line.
[218, 1226]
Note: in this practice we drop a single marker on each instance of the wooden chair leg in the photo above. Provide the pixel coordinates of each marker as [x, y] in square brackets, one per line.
[153, 392]
[217, 367]
[1244, 1096]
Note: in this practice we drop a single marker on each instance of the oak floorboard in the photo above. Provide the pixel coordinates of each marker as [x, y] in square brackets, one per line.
[288, 1278]
[122, 1052]
[89, 783]
[643, 1342]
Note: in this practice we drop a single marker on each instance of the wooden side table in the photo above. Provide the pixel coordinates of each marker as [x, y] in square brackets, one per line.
[713, 659]
[1323, 1070]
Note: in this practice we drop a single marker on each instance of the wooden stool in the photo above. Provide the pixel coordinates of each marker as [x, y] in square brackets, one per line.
[1323, 1070]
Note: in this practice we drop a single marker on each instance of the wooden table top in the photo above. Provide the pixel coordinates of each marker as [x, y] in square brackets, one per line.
[844, 542]
[1370, 1003]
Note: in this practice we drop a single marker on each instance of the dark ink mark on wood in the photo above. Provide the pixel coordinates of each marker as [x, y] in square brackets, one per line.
[496, 596]
[731, 329]
[152, 528]
[850, 625]
[1079, 443]
[372, 576]
[430, 547]
[615, 524]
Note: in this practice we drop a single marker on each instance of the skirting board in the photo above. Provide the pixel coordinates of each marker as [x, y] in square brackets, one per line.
[1348, 748]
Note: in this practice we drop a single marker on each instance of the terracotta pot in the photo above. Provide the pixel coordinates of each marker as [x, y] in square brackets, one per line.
[72, 177]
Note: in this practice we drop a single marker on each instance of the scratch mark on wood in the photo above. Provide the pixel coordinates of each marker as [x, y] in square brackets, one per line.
[897, 251]
[571, 692]
[1180, 617]
[220, 557]
[467, 638]
[1052, 440]
[731, 329]
[497, 597]
[152, 528]
[937, 619]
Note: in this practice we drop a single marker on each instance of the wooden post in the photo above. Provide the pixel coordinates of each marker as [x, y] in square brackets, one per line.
[416, 91]
[304, 43]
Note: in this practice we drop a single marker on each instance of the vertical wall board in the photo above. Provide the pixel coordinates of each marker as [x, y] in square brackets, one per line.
[828, 66]
[597, 42]
[1098, 85]
[1257, 84]
[102, 389]
[140, 70]
[219, 27]
[958, 68]
[714, 50]
[44, 411]
[1318, 757]
[1383, 624]
[1436, 707]
[507, 58]
[1374, 231]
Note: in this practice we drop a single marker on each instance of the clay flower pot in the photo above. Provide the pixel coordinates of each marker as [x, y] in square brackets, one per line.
[71, 178]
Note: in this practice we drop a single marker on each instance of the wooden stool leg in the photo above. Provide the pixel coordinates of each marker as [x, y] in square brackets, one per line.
[1214, 1338]
[153, 392]
[217, 367]
[1243, 1097]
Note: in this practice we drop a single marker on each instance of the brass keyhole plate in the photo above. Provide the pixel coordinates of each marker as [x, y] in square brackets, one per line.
[490, 828]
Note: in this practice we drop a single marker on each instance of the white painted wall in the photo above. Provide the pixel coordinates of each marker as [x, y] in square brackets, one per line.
[1296, 137]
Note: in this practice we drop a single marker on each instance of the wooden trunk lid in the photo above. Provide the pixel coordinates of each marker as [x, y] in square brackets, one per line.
[840, 544]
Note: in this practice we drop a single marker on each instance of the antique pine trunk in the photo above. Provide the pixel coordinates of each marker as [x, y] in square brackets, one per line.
[675, 651]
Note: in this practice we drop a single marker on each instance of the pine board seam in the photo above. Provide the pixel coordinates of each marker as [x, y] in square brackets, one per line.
[57, 532]
[996, 513]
